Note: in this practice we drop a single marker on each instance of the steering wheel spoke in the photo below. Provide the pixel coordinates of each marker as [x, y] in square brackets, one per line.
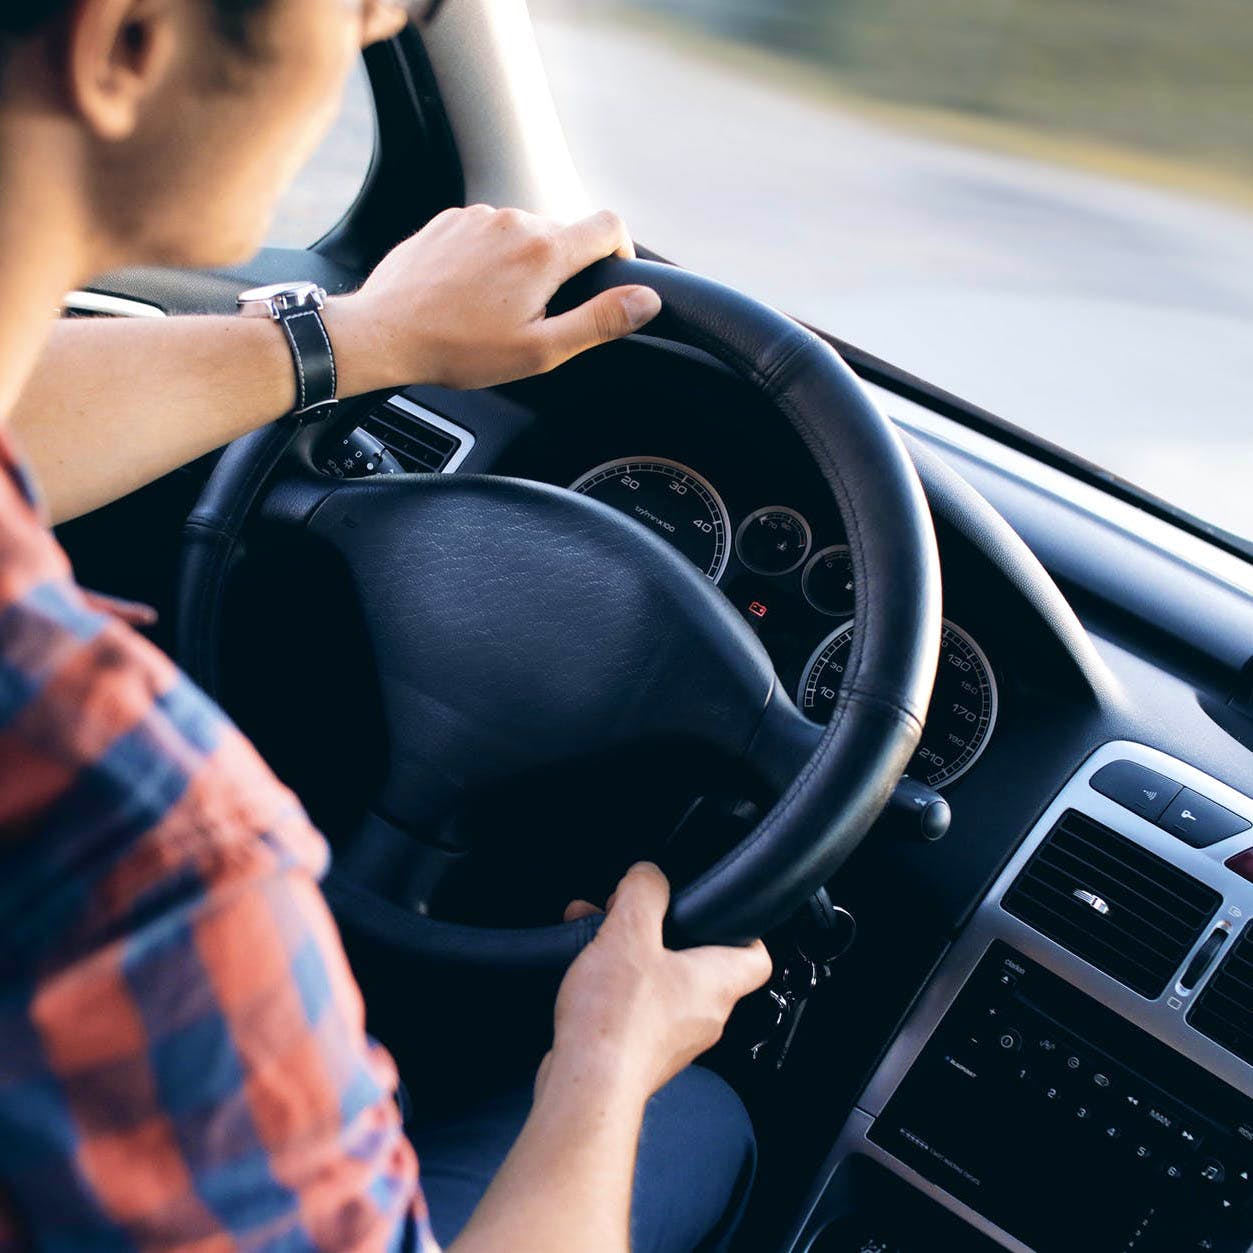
[398, 865]
[784, 743]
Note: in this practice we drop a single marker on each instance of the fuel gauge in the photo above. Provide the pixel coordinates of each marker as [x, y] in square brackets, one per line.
[828, 581]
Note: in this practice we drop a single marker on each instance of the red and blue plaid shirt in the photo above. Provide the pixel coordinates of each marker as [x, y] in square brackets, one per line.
[183, 1057]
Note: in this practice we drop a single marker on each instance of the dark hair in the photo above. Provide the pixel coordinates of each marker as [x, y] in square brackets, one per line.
[22, 17]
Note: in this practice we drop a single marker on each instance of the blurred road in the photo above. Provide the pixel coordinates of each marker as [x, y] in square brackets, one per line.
[1114, 319]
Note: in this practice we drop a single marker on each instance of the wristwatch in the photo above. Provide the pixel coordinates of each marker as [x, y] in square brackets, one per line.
[297, 308]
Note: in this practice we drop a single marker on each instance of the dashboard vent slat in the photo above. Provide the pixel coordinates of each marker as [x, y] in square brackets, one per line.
[1062, 879]
[419, 446]
[1224, 1010]
[1061, 903]
[1153, 915]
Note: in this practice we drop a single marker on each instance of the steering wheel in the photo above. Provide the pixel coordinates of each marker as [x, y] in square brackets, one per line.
[517, 626]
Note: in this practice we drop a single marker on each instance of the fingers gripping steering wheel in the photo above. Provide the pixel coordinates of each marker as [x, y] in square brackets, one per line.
[483, 678]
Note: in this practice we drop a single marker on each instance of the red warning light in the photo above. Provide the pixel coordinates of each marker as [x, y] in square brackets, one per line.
[757, 609]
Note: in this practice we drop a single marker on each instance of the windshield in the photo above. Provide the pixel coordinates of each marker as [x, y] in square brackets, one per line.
[1044, 206]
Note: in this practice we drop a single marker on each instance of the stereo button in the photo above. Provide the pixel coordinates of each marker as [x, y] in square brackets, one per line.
[1161, 1118]
[1213, 1171]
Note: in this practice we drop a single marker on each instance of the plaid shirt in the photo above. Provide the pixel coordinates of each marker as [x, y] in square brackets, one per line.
[183, 1056]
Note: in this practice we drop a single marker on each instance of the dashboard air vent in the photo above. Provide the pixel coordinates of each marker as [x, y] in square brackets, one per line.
[1224, 1010]
[1127, 911]
[422, 441]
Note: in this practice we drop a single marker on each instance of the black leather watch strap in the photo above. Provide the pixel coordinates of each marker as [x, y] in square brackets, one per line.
[314, 359]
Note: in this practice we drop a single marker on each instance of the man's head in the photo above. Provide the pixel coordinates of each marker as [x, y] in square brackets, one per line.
[177, 123]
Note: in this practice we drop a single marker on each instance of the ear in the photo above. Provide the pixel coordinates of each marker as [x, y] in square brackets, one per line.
[382, 21]
[117, 54]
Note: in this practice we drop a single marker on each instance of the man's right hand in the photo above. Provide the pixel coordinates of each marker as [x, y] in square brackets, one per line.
[463, 303]
[632, 1011]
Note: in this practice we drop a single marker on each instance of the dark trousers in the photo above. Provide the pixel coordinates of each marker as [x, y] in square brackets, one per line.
[695, 1166]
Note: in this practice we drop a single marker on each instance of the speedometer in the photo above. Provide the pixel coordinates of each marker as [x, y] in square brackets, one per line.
[670, 499]
[963, 705]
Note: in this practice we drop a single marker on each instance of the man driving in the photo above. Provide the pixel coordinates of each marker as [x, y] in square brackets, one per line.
[183, 1055]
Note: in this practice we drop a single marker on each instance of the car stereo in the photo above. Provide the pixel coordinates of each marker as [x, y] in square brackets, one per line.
[1070, 1128]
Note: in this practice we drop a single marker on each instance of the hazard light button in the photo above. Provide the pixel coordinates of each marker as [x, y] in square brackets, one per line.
[1136, 787]
[1242, 864]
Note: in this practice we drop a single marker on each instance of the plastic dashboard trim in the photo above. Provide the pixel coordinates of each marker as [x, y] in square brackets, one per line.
[1163, 1018]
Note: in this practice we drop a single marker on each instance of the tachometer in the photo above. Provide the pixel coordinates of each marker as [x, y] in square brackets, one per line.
[963, 705]
[670, 499]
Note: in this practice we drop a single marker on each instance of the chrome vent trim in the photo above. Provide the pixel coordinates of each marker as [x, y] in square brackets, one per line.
[422, 441]
[91, 304]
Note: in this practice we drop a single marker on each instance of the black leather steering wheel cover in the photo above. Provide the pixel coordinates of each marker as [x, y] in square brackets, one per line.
[368, 914]
[210, 539]
[887, 683]
[878, 718]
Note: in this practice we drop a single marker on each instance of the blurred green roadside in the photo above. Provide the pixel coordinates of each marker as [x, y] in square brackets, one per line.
[1157, 90]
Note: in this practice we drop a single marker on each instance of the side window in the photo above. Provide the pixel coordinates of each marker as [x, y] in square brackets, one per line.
[325, 189]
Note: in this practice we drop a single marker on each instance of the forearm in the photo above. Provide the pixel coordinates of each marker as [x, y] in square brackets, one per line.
[566, 1185]
[116, 404]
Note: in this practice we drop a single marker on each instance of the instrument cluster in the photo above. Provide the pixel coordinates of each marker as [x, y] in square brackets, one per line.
[792, 581]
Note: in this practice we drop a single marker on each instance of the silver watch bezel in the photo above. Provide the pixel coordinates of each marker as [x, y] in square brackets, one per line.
[275, 300]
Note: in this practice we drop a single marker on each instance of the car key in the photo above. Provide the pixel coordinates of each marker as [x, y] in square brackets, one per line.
[824, 933]
[788, 997]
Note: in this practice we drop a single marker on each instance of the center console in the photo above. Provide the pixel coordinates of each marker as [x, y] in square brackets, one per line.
[1078, 1076]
